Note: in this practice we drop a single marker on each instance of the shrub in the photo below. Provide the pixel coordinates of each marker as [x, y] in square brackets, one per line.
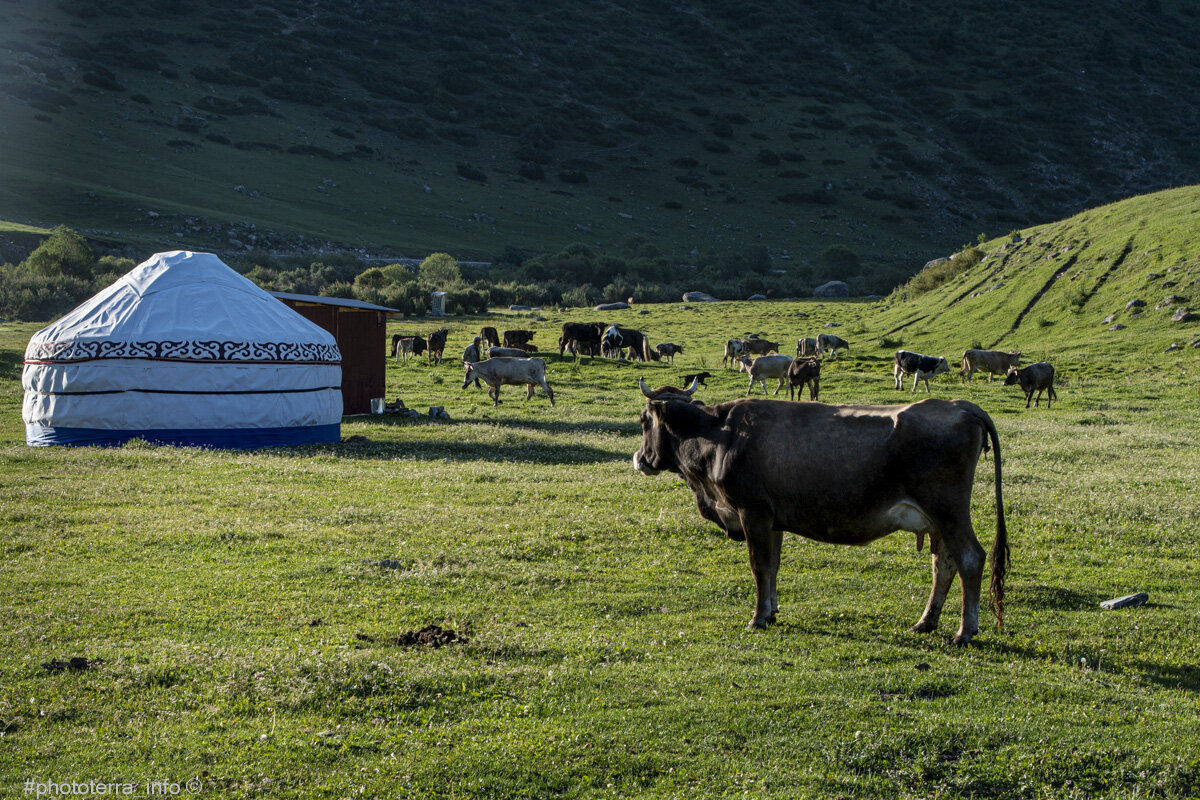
[64, 252]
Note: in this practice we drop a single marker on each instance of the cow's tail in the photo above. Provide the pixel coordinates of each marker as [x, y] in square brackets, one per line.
[1000, 554]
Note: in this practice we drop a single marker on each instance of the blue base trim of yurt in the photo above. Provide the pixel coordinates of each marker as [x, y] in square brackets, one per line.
[217, 438]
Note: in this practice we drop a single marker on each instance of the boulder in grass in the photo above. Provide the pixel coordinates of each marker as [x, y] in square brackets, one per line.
[698, 297]
[832, 289]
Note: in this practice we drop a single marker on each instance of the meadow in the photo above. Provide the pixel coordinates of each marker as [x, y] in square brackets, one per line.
[245, 615]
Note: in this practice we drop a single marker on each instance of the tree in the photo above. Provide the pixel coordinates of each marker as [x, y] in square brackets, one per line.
[439, 270]
[64, 252]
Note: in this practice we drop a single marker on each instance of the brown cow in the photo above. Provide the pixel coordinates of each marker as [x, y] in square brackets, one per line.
[1039, 377]
[760, 347]
[993, 362]
[804, 371]
[759, 468]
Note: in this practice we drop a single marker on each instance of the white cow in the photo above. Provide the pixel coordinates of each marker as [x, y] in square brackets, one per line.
[497, 372]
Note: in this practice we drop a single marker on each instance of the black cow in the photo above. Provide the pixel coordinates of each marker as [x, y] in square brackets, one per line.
[517, 337]
[436, 344]
[700, 377]
[760, 467]
[489, 335]
[404, 346]
[617, 339]
[668, 350]
[585, 336]
[1037, 377]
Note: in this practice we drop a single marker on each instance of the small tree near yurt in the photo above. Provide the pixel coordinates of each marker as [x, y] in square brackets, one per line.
[64, 252]
[439, 271]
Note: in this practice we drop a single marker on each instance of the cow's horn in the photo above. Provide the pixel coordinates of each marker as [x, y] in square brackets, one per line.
[691, 389]
[645, 389]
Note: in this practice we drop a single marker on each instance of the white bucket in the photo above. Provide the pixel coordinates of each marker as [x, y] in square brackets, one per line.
[376, 405]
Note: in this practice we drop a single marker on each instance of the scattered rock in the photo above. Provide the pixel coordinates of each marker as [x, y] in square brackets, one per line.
[1174, 346]
[698, 297]
[833, 324]
[1110, 319]
[438, 412]
[611, 307]
[1170, 300]
[520, 308]
[1132, 304]
[1128, 601]
[1184, 315]
[757, 297]
[832, 289]
[1117, 327]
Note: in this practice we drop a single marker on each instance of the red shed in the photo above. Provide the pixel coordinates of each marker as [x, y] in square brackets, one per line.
[361, 332]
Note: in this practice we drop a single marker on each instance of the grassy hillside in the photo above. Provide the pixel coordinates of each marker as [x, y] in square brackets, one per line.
[1059, 289]
[898, 129]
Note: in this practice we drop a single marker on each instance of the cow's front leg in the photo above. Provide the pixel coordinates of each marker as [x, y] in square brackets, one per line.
[764, 545]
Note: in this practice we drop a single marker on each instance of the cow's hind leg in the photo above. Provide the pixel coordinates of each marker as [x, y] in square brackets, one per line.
[965, 556]
[764, 545]
[944, 570]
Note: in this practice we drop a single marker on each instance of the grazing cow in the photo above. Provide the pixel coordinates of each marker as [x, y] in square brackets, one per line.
[668, 350]
[670, 392]
[489, 335]
[585, 336]
[993, 362]
[527, 348]
[497, 372]
[829, 343]
[436, 344]
[471, 355]
[734, 349]
[701, 377]
[1039, 377]
[517, 337]
[804, 371]
[760, 347]
[617, 339]
[922, 368]
[759, 468]
[506, 352]
[764, 367]
[405, 346]
[806, 346]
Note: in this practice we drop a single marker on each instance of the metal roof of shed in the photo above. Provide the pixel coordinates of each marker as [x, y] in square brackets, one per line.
[334, 301]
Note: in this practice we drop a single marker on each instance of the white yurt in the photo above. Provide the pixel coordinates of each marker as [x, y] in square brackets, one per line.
[182, 350]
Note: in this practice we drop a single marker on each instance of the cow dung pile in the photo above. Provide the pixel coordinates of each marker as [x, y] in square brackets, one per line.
[429, 636]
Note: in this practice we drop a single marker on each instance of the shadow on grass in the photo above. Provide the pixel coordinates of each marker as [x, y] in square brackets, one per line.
[631, 428]
[11, 362]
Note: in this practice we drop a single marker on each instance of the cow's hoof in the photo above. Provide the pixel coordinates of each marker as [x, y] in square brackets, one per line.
[960, 640]
[756, 624]
[923, 627]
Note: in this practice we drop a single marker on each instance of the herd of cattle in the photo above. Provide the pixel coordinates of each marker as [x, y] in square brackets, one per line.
[759, 468]
[508, 360]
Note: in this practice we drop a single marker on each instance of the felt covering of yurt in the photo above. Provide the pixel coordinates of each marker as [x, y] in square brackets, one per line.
[182, 350]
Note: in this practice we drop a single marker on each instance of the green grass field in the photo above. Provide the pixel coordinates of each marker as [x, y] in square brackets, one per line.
[243, 611]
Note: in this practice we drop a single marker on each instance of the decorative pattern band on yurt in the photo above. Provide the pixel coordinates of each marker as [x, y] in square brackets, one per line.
[182, 350]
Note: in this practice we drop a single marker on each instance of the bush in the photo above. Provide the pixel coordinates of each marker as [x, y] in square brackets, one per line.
[937, 273]
[64, 252]
[25, 295]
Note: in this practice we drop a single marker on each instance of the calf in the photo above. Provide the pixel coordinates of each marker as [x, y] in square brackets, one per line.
[436, 344]
[804, 371]
[921, 367]
[497, 372]
[1039, 376]
[405, 346]
[668, 350]
[993, 362]
[764, 367]
[806, 346]
[828, 343]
